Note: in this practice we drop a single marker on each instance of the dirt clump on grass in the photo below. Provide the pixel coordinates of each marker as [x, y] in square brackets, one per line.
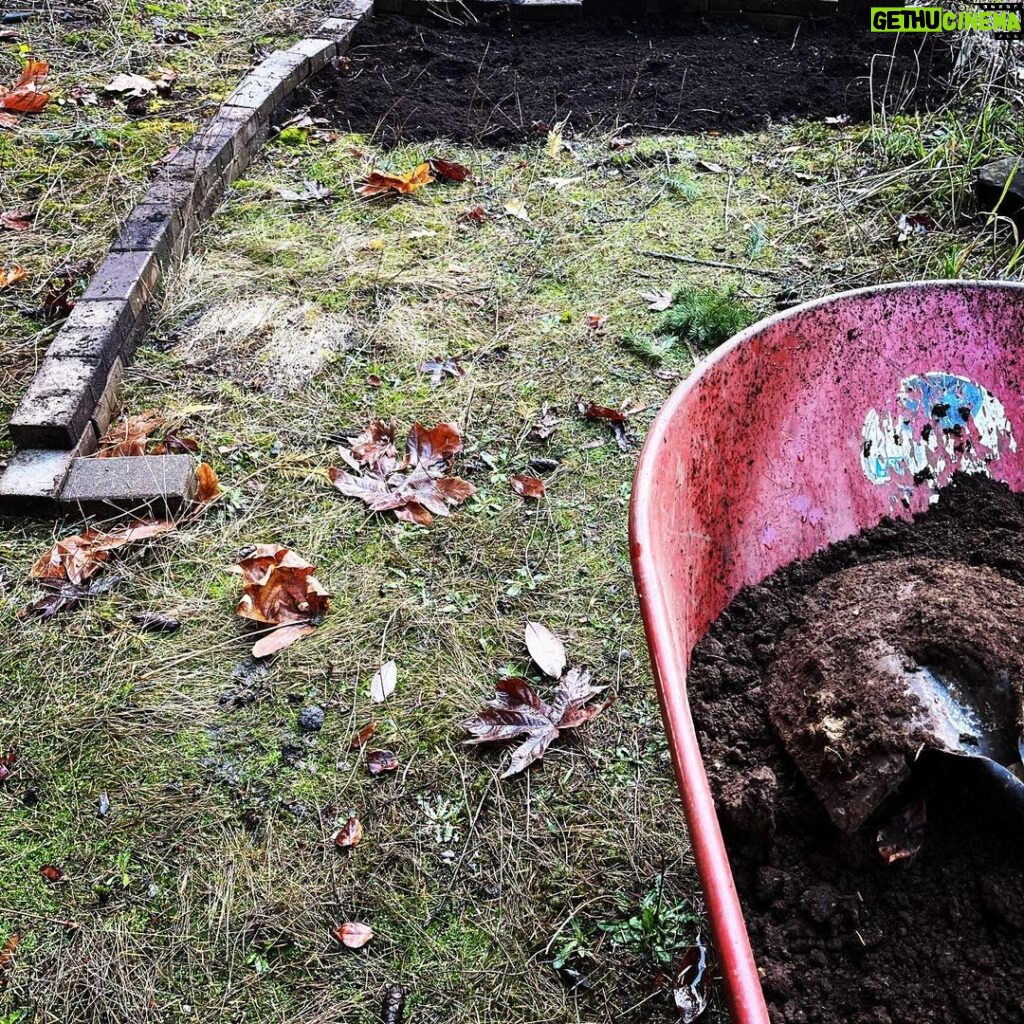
[838, 932]
[499, 81]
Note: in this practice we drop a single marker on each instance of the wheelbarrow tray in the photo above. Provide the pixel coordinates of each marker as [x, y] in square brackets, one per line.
[777, 446]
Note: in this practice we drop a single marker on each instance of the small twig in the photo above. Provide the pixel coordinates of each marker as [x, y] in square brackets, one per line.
[713, 263]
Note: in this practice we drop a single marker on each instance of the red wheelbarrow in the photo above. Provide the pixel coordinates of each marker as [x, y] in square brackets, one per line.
[803, 430]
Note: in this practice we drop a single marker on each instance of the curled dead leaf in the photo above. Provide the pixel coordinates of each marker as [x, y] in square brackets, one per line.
[350, 834]
[280, 638]
[353, 934]
[381, 761]
[363, 736]
[28, 94]
[75, 559]
[7, 957]
[208, 485]
[377, 182]
[527, 486]
[130, 436]
[15, 220]
[448, 169]
[12, 276]
[51, 873]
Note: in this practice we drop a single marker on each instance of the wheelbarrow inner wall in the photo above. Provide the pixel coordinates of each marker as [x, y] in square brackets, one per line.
[759, 459]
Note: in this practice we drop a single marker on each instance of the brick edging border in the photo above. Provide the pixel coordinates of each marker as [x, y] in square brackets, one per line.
[72, 398]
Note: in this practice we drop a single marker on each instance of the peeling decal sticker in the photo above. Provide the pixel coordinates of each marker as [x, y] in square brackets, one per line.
[942, 424]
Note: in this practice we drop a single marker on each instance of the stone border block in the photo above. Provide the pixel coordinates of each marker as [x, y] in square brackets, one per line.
[108, 405]
[129, 275]
[318, 52]
[338, 29]
[353, 10]
[268, 83]
[143, 485]
[59, 403]
[95, 332]
[32, 482]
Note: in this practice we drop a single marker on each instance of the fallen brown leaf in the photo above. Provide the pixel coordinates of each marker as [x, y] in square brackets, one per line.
[51, 873]
[350, 834]
[280, 638]
[516, 710]
[130, 436]
[363, 736]
[27, 95]
[12, 276]
[353, 934]
[381, 761]
[377, 182]
[448, 169]
[279, 589]
[75, 559]
[208, 486]
[6, 761]
[8, 121]
[415, 488]
[474, 215]
[7, 957]
[16, 220]
[527, 486]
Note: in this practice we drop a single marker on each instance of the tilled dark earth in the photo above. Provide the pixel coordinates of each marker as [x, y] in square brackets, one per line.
[501, 81]
[841, 935]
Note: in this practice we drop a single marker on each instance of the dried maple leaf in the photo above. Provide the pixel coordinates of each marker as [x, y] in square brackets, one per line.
[353, 934]
[131, 436]
[350, 834]
[377, 182]
[27, 95]
[545, 425]
[527, 486]
[75, 559]
[16, 220]
[12, 276]
[381, 761]
[415, 489]
[448, 169]
[139, 86]
[64, 596]
[279, 590]
[516, 711]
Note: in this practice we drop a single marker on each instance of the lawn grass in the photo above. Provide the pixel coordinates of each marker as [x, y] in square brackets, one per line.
[208, 891]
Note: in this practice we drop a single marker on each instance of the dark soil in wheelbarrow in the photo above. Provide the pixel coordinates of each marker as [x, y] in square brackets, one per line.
[840, 933]
[502, 81]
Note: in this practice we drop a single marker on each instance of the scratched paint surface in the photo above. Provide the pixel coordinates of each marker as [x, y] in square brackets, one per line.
[942, 423]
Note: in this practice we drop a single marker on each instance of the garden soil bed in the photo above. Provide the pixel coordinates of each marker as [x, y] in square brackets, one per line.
[502, 81]
[839, 934]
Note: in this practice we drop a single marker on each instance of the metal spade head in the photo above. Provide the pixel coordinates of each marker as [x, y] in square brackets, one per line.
[894, 658]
